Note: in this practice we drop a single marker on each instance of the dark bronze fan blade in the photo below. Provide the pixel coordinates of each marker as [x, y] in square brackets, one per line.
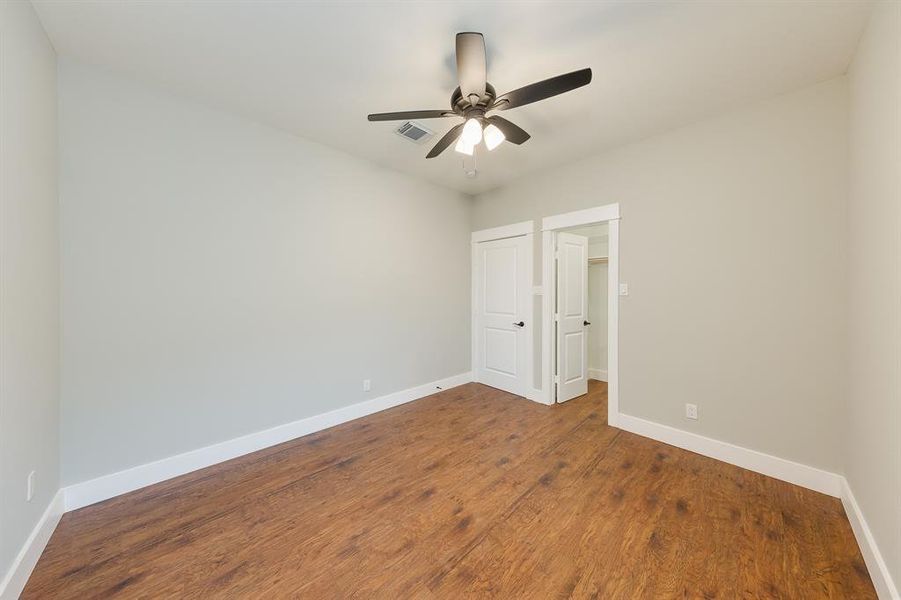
[512, 132]
[449, 138]
[471, 66]
[411, 114]
[543, 89]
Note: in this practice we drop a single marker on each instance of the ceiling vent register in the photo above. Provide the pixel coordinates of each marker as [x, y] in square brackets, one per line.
[414, 132]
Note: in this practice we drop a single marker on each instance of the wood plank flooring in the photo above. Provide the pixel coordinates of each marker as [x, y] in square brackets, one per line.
[471, 492]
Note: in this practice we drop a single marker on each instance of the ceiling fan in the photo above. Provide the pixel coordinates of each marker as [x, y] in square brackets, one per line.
[475, 98]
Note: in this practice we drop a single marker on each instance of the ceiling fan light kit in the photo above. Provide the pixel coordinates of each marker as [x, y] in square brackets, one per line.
[475, 98]
[472, 132]
[493, 136]
[463, 148]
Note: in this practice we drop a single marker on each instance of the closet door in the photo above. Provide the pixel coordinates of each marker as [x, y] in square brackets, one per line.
[502, 305]
[572, 316]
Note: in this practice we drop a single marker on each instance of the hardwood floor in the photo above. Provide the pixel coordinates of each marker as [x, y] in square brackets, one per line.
[471, 492]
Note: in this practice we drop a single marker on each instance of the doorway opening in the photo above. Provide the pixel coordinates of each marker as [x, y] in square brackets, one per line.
[580, 281]
[582, 258]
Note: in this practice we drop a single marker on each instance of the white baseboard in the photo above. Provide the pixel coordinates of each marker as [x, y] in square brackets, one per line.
[599, 374]
[20, 570]
[778, 468]
[108, 486]
[876, 565]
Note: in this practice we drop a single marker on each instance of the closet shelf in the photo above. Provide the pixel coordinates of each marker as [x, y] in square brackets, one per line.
[597, 260]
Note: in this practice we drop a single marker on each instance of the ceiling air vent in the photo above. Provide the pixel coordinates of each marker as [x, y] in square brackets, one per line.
[414, 132]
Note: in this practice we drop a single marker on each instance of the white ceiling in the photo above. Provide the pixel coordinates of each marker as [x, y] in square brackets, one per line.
[318, 68]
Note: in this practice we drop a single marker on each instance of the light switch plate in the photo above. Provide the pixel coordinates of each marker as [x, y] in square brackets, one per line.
[624, 289]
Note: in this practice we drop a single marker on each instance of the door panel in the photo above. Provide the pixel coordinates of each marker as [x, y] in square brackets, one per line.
[574, 260]
[502, 301]
[500, 351]
[573, 343]
[500, 280]
[572, 307]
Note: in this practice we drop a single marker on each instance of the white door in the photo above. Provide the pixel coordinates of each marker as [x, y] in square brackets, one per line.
[572, 316]
[502, 305]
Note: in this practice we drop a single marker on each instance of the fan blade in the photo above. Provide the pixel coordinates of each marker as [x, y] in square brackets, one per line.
[543, 89]
[512, 132]
[471, 69]
[410, 114]
[449, 138]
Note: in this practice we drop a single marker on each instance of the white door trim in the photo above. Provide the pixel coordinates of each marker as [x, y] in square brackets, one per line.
[526, 229]
[549, 225]
[589, 216]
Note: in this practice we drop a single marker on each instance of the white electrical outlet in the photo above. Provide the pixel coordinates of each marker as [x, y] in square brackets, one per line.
[624, 289]
[367, 385]
[29, 487]
[691, 411]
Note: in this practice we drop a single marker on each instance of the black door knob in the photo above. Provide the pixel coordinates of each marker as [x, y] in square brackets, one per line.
[586, 323]
[520, 324]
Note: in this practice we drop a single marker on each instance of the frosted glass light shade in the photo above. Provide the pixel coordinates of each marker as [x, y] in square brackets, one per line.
[472, 132]
[493, 137]
[463, 148]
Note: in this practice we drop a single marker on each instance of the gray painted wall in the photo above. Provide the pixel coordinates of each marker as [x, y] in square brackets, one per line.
[732, 243]
[29, 276]
[873, 417]
[221, 277]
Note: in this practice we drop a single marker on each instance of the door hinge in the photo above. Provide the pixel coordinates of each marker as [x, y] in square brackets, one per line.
[556, 379]
[556, 317]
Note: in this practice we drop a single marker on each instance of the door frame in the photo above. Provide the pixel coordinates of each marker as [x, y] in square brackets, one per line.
[609, 214]
[522, 229]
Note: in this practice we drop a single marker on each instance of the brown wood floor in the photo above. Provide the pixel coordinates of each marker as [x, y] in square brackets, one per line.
[471, 492]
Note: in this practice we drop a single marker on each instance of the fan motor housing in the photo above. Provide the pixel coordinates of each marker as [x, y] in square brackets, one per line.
[463, 107]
